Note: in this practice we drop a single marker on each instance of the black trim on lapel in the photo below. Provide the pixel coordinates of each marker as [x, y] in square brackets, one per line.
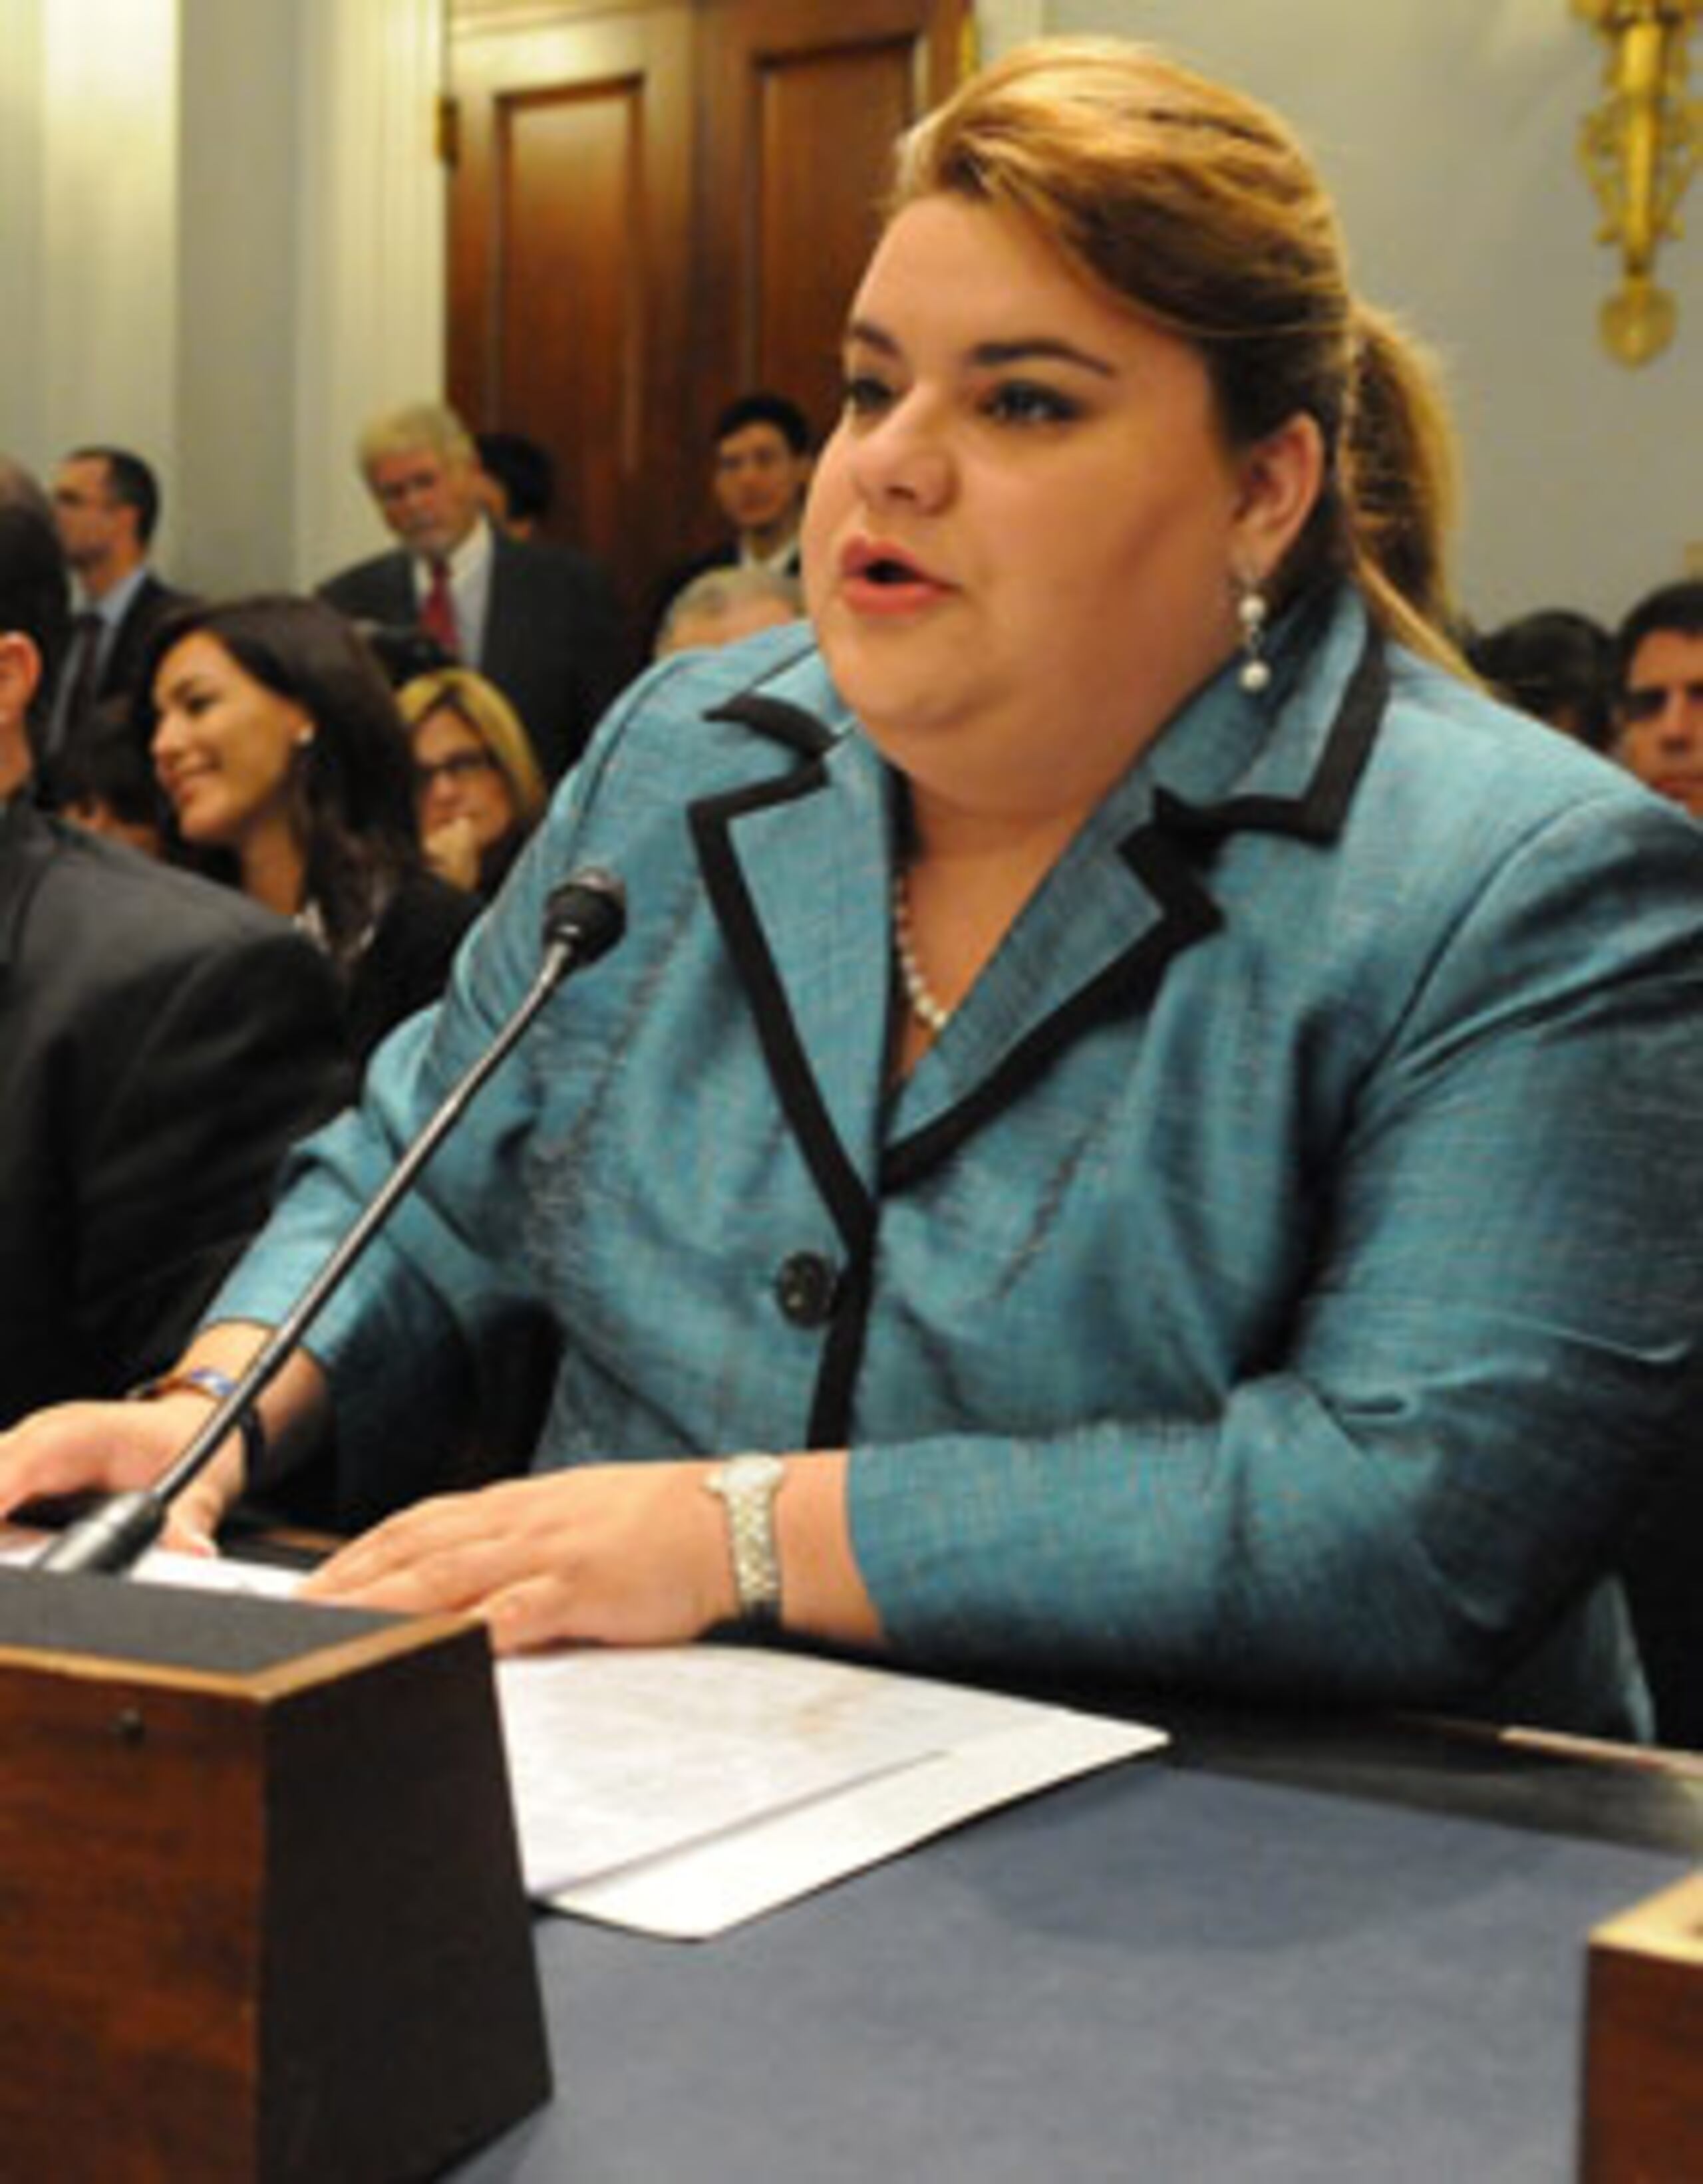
[830, 1409]
[1189, 914]
[1317, 814]
[774, 717]
[842, 1190]
[1159, 854]
[709, 819]
[1162, 854]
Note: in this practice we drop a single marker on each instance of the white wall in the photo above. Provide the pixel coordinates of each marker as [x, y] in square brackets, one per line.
[1447, 129]
[20, 223]
[234, 243]
[221, 240]
[87, 274]
[369, 267]
[222, 244]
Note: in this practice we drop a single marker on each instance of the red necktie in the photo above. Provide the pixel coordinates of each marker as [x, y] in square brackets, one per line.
[438, 610]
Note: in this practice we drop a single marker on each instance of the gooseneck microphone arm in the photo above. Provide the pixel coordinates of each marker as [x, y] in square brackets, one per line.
[583, 918]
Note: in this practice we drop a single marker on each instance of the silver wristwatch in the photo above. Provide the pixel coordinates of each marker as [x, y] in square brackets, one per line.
[747, 1486]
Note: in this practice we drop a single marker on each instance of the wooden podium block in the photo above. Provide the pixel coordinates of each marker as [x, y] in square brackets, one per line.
[1643, 2042]
[261, 1906]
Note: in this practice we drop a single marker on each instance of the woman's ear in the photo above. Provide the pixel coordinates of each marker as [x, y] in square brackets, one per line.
[1281, 478]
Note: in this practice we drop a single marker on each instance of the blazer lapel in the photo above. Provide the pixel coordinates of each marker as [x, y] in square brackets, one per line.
[1133, 891]
[798, 871]
[1093, 941]
[797, 868]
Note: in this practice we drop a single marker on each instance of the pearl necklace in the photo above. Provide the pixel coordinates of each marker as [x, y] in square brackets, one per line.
[924, 1004]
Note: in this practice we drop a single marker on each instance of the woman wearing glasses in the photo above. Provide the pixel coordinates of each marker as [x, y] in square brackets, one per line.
[478, 789]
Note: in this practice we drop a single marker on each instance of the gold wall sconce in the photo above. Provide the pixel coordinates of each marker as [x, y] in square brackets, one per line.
[1639, 149]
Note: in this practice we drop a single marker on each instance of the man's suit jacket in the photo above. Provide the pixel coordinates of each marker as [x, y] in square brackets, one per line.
[163, 1040]
[121, 671]
[1281, 1278]
[127, 656]
[553, 638]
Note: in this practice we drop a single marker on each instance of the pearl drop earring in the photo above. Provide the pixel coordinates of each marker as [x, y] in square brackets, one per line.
[1251, 611]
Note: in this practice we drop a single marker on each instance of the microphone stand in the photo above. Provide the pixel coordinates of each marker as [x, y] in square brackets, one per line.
[583, 918]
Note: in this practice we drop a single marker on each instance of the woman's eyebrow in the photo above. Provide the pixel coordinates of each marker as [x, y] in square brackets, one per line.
[992, 355]
[1027, 348]
[864, 333]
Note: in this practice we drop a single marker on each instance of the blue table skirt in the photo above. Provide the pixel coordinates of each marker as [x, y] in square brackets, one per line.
[1152, 1974]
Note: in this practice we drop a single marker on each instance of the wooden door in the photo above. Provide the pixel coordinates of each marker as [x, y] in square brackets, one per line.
[654, 206]
[570, 257]
[801, 108]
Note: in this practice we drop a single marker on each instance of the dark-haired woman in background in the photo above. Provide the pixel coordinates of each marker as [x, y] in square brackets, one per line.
[278, 743]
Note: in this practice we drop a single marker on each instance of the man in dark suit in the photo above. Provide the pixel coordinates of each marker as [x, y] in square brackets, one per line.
[539, 620]
[762, 472]
[163, 1041]
[106, 505]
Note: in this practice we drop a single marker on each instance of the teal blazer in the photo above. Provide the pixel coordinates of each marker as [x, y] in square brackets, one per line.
[1282, 1277]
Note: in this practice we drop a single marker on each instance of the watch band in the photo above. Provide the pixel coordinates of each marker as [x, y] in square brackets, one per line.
[747, 1486]
[218, 1387]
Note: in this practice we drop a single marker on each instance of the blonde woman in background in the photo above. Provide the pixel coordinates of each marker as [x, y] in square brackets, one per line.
[478, 787]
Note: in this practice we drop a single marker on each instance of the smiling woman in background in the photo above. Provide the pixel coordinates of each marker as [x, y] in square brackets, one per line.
[280, 750]
[1140, 1126]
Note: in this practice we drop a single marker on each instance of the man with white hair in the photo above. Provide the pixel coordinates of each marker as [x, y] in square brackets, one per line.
[539, 620]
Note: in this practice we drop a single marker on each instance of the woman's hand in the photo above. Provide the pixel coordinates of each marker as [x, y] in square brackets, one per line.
[109, 1447]
[632, 1554]
[453, 853]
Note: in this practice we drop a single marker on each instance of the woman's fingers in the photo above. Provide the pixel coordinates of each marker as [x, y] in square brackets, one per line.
[630, 1555]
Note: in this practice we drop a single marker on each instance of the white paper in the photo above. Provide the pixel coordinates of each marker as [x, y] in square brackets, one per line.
[683, 1790]
[160, 1565]
[702, 1890]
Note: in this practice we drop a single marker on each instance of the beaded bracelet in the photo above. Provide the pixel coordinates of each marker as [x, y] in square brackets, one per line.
[218, 1387]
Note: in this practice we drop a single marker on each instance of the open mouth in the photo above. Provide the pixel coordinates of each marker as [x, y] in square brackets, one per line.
[874, 564]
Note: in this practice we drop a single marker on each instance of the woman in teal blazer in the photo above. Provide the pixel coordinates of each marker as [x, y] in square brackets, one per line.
[1169, 1113]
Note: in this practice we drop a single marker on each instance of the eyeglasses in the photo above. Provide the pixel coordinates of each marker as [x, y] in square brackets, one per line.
[460, 766]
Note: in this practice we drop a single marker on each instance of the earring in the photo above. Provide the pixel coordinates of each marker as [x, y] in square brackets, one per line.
[304, 738]
[1251, 611]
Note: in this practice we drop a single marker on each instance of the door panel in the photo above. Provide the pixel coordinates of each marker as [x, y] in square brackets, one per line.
[812, 243]
[654, 207]
[570, 262]
[570, 304]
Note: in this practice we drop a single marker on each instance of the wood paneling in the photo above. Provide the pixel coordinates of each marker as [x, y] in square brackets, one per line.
[812, 244]
[656, 207]
[569, 265]
[569, 298]
[799, 108]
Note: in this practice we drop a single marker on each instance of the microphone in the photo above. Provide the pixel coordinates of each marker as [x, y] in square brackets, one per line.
[583, 918]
